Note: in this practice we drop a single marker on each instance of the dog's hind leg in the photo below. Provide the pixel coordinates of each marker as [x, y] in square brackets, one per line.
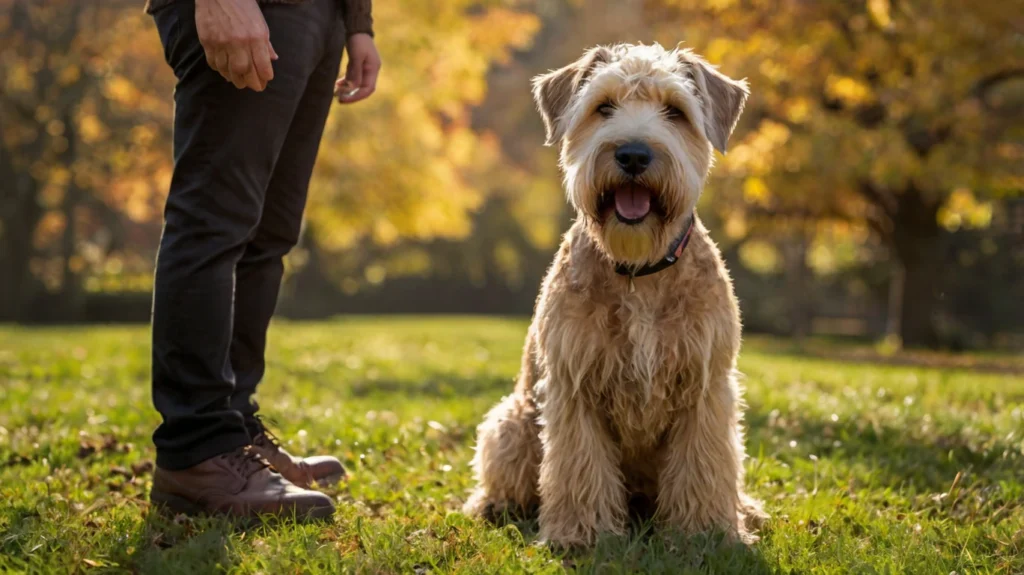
[508, 455]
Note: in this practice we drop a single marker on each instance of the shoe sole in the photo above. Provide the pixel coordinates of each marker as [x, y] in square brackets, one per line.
[175, 505]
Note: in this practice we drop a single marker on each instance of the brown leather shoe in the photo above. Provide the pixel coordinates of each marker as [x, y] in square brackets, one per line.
[238, 484]
[320, 469]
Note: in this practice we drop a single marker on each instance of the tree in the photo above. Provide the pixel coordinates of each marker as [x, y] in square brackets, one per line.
[903, 117]
[407, 163]
[82, 143]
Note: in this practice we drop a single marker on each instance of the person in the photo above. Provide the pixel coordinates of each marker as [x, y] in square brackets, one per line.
[255, 81]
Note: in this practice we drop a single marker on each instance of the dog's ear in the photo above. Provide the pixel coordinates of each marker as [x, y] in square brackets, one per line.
[724, 99]
[554, 91]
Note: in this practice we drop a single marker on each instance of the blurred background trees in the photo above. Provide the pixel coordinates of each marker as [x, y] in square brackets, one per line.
[874, 187]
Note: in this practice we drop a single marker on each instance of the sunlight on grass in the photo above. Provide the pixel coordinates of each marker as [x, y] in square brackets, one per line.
[864, 468]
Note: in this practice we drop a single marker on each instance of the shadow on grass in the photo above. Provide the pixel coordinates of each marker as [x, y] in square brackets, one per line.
[161, 544]
[893, 456]
[648, 549]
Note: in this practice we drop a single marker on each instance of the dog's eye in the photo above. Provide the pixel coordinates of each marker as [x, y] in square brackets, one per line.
[673, 113]
[606, 110]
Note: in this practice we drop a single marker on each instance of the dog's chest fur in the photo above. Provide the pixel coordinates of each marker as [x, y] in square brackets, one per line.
[639, 359]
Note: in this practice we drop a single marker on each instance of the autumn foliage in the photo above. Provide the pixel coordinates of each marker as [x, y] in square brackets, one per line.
[879, 134]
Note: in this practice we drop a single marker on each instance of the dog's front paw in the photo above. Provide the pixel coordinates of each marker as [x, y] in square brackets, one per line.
[567, 539]
[478, 505]
[575, 534]
[752, 518]
[481, 505]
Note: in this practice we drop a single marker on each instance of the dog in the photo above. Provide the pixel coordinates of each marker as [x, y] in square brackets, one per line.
[628, 389]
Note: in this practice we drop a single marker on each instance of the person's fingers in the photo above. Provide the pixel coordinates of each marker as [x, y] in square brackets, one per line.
[354, 71]
[364, 90]
[211, 59]
[355, 96]
[221, 64]
[240, 67]
[273, 52]
[252, 80]
[370, 71]
[343, 89]
[262, 63]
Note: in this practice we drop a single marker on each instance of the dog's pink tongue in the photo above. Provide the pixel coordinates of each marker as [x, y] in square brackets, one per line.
[632, 202]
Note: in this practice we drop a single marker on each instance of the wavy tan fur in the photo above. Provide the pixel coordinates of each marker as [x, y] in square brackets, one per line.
[624, 394]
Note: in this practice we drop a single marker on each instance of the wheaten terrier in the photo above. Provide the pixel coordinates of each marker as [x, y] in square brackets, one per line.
[628, 387]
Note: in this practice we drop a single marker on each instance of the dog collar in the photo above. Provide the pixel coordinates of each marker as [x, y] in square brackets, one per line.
[674, 251]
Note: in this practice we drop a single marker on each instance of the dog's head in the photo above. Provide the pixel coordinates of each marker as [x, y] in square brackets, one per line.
[637, 125]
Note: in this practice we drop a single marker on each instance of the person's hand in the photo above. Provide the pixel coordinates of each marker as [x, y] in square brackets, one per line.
[236, 40]
[361, 74]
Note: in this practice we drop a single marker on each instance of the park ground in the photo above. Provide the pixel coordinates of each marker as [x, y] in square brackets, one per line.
[914, 465]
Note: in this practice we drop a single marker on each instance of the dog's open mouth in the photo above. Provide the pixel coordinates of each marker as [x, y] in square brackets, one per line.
[631, 201]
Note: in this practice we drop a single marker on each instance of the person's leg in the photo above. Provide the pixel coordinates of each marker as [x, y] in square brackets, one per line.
[259, 272]
[226, 144]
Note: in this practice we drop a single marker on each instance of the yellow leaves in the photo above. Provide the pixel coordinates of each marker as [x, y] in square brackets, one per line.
[797, 110]
[963, 209]
[499, 30]
[718, 48]
[91, 129]
[536, 201]
[143, 135]
[19, 78]
[760, 256]
[847, 89]
[406, 164]
[509, 261]
[121, 90]
[384, 232]
[69, 74]
[735, 225]
[462, 147]
[407, 262]
[720, 5]
[773, 71]
[755, 191]
[879, 10]
[375, 274]
[756, 153]
[55, 127]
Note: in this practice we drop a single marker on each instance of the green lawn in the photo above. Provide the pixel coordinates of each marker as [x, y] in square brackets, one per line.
[864, 468]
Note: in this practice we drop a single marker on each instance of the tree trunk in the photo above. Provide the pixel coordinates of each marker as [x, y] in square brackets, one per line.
[20, 213]
[800, 298]
[917, 244]
[15, 281]
[70, 282]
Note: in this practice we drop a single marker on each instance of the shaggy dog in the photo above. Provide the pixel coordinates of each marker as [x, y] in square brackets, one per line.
[628, 388]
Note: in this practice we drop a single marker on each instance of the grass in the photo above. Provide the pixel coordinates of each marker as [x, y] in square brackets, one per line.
[864, 468]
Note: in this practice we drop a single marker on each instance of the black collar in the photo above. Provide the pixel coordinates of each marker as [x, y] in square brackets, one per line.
[674, 251]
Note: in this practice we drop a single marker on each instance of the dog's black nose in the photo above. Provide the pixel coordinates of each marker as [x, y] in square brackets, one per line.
[634, 157]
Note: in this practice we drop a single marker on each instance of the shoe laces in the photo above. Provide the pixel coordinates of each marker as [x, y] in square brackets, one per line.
[246, 461]
[265, 435]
